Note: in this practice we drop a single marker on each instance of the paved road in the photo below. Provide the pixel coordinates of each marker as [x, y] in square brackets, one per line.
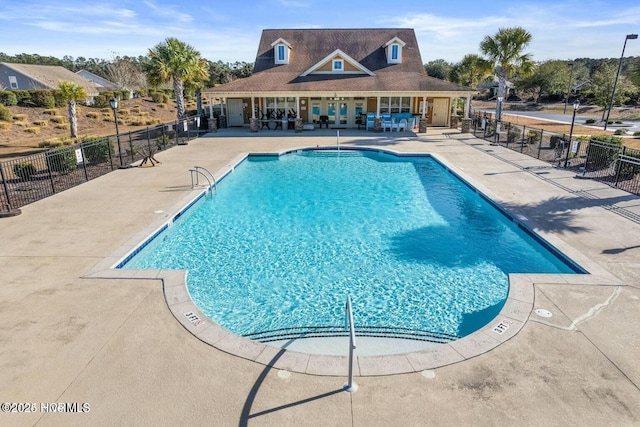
[632, 125]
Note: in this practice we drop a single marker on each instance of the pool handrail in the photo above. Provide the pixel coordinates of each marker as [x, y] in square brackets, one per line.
[350, 386]
[198, 171]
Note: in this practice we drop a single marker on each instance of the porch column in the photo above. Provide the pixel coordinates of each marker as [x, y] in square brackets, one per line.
[378, 107]
[422, 124]
[254, 123]
[298, 122]
[467, 107]
[210, 107]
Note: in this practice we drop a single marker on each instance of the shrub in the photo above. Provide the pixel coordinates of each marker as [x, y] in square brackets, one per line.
[22, 96]
[20, 117]
[8, 98]
[5, 114]
[24, 170]
[603, 156]
[63, 126]
[621, 131]
[93, 115]
[101, 101]
[618, 122]
[41, 123]
[554, 140]
[5, 126]
[58, 119]
[43, 98]
[33, 129]
[62, 160]
[60, 101]
[627, 169]
[533, 136]
[636, 133]
[159, 97]
[97, 149]
[590, 121]
[51, 112]
[124, 111]
[45, 144]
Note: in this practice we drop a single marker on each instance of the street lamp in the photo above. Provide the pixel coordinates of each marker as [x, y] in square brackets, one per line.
[576, 104]
[613, 92]
[114, 106]
[566, 99]
[499, 109]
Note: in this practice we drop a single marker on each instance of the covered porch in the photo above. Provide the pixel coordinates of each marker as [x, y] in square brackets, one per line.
[337, 110]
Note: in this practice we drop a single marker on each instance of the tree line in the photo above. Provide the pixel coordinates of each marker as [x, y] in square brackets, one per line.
[504, 58]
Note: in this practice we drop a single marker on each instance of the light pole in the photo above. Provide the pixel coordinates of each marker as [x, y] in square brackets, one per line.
[114, 106]
[499, 110]
[566, 99]
[613, 92]
[576, 104]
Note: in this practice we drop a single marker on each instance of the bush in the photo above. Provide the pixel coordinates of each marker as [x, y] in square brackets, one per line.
[636, 133]
[20, 117]
[24, 170]
[43, 98]
[22, 96]
[93, 115]
[101, 101]
[66, 126]
[51, 112]
[590, 121]
[97, 149]
[621, 131]
[58, 119]
[533, 136]
[5, 114]
[159, 97]
[5, 126]
[33, 129]
[8, 98]
[62, 160]
[41, 123]
[554, 141]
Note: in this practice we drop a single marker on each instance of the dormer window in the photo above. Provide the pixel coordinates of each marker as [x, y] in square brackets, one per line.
[281, 50]
[394, 50]
[338, 65]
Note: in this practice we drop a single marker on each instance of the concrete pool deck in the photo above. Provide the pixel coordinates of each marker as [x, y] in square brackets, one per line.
[116, 345]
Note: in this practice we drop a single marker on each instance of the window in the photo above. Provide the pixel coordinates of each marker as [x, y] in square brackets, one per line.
[394, 52]
[338, 65]
[281, 54]
[13, 82]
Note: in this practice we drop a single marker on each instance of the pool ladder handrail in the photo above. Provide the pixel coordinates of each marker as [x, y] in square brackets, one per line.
[350, 386]
[197, 171]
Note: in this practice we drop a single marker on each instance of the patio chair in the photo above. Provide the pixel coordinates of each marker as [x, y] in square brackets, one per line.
[324, 120]
[370, 119]
[402, 124]
[387, 122]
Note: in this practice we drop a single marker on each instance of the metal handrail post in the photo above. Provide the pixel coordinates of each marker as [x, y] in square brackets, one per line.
[350, 386]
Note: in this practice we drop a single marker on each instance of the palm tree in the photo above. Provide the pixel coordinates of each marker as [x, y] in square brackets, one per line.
[71, 92]
[471, 71]
[178, 62]
[504, 51]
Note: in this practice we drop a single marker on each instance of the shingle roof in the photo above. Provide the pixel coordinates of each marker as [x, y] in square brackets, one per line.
[51, 75]
[364, 45]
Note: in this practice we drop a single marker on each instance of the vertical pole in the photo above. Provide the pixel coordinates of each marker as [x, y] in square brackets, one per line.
[131, 148]
[350, 386]
[6, 187]
[566, 159]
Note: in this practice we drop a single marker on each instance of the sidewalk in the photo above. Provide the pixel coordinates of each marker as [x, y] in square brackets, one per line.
[115, 344]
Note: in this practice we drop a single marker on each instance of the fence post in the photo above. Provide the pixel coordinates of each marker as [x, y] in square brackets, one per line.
[53, 185]
[5, 186]
[540, 144]
[109, 147]
[131, 148]
[84, 163]
[619, 165]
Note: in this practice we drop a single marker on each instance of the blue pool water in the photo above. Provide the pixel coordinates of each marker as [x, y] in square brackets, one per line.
[285, 239]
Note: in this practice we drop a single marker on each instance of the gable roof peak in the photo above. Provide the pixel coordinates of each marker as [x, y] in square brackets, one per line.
[395, 40]
[281, 41]
[343, 56]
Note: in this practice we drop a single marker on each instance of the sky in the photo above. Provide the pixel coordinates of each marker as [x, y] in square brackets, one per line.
[229, 31]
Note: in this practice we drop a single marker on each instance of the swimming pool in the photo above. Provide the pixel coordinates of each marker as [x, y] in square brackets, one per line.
[276, 250]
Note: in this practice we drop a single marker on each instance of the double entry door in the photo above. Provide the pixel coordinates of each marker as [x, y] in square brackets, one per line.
[341, 113]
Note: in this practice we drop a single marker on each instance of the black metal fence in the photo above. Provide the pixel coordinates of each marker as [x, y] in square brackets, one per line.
[612, 164]
[31, 178]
